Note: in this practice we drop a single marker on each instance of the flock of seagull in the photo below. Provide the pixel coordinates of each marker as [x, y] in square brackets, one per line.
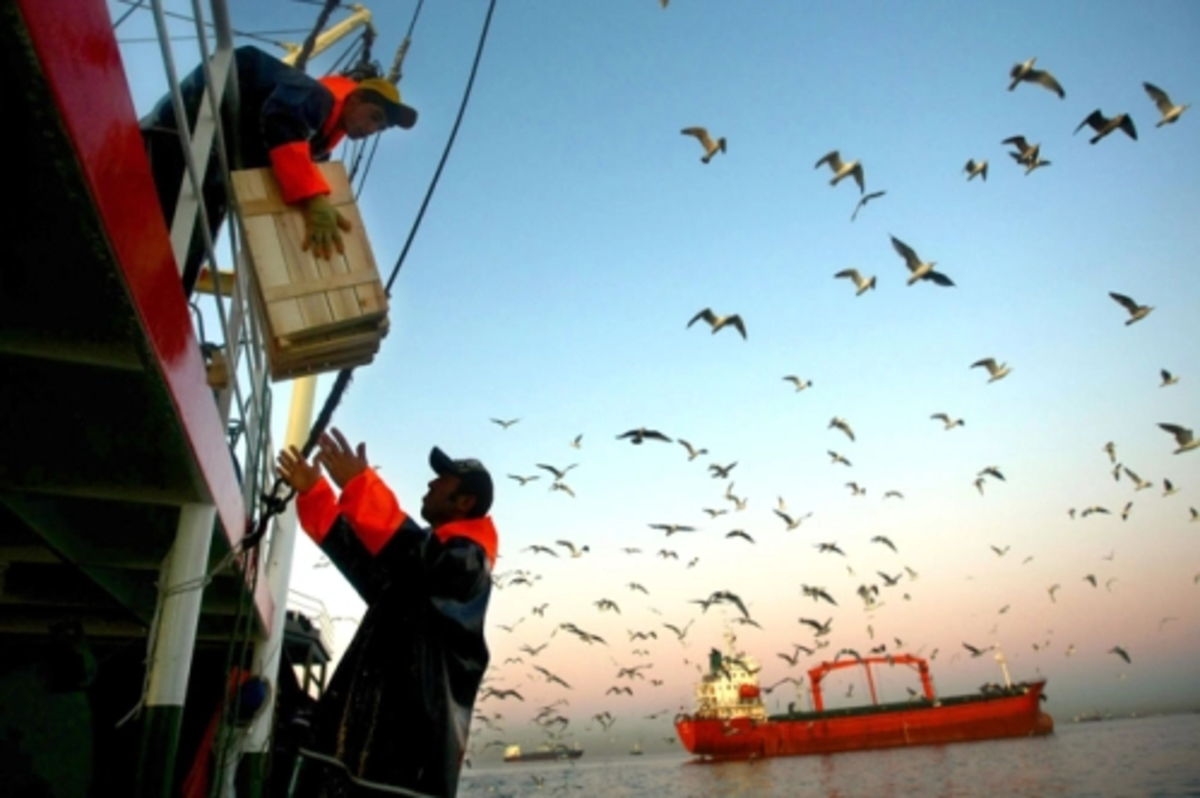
[552, 719]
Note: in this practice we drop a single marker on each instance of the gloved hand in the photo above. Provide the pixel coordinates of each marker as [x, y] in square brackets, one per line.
[321, 223]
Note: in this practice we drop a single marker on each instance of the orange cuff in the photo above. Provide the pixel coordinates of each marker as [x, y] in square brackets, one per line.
[372, 510]
[317, 510]
[298, 176]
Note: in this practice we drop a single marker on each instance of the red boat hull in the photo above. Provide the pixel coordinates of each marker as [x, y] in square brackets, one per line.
[961, 719]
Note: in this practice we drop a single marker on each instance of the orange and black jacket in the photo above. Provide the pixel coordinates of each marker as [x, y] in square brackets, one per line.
[284, 119]
[398, 709]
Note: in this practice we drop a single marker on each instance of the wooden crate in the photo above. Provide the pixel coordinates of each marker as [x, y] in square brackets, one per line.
[318, 315]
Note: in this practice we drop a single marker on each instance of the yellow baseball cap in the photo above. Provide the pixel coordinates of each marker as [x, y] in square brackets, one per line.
[398, 114]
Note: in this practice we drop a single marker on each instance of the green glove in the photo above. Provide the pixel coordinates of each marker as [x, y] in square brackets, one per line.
[322, 223]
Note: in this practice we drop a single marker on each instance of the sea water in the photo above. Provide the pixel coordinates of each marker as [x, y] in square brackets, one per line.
[1150, 756]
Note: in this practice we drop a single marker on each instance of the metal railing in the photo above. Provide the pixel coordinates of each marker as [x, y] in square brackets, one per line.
[244, 402]
[314, 609]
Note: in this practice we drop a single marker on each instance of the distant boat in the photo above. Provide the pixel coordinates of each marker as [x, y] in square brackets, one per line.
[731, 721]
[546, 753]
[637, 749]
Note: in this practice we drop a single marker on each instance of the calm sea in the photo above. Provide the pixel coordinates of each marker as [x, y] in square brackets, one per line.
[1133, 756]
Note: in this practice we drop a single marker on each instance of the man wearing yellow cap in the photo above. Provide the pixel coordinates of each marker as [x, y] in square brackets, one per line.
[285, 120]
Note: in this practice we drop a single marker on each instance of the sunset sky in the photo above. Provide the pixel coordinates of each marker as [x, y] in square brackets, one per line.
[575, 232]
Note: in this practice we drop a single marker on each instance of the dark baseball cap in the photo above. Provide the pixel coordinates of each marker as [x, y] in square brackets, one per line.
[473, 478]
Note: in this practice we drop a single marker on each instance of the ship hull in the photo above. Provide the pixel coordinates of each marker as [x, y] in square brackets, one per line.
[544, 756]
[954, 720]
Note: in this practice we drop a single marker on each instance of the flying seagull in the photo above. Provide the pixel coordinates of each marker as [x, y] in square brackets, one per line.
[947, 421]
[997, 371]
[799, 383]
[1111, 448]
[505, 424]
[717, 322]
[972, 169]
[522, 479]
[1168, 378]
[1103, 125]
[692, 451]
[711, 147]
[920, 270]
[841, 170]
[1183, 437]
[863, 284]
[1025, 72]
[863, 202]
[1136, 312]
[838, 458]
[843, 425]
[1170, 112]
[637, 436]
[1028, 155]
[1120, 652]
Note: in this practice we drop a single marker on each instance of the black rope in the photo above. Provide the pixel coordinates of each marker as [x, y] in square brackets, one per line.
[311, 41]
[445, 154]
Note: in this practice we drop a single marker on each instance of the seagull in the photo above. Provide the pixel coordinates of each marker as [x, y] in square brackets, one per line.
[1125, 512]
[1168, 378]
[564, 487]
[976, 652]
[692, 451]
[1170, 112]
[1138, 482]
[1090, 578]
[992, 471]
[830, 547]
[863, 284]
[739, 533]
[1136, 312]
[711, 147]
[1026, 72]
[535, 548]
[885, 541]
[972, 169]
[843, 425]
[979, 485]
[721, 472]
[1000, 552]
[1032, 163]
[1120, 652]
[717, 322]
[947, 421]
[893, 494]
[575, 552]
[1195, 514]
[1111, 448]
[1183, 437]
[558, 475]
[714, 513]
[862, 202]
[920, 270]
[1026, 152]
[822, 629]
[855, 489]
[997, 371]
[841, 169]
[640, 434]
[1054, 589]
[837, 458]
[792, 523]
[671, 529]
[1103, 125]
[799, 383]
[1168, 488]
[1094, 509]
[523, 480]
[505, 424]
[577, 442]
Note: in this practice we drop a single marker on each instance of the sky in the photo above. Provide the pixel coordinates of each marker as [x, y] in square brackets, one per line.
[575, 233]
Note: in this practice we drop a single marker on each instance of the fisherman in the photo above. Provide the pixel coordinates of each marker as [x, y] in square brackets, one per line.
[284, 119]
[398, 709]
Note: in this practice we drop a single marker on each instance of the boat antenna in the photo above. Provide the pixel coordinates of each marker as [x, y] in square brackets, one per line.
[395, 73]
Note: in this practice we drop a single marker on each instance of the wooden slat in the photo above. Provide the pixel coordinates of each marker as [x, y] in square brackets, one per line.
[321, 315]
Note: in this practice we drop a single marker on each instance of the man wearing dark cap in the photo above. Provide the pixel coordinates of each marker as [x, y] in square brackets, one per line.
[396, 715]
[285, 120]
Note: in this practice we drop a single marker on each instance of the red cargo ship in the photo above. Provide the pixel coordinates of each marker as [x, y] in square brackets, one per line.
[731, 721]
